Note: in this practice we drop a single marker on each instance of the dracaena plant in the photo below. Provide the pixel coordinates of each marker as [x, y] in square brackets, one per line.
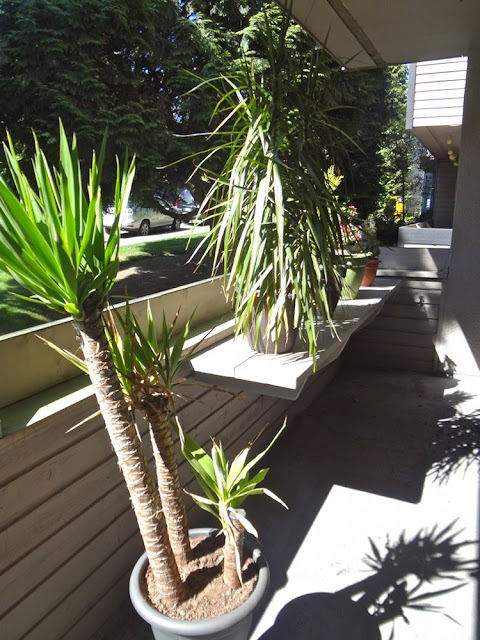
[273, 214]
[226, 486]
[52, 242]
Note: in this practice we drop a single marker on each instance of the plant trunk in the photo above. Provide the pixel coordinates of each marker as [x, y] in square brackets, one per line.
[233, 552]
[131, 459]
[167, 477]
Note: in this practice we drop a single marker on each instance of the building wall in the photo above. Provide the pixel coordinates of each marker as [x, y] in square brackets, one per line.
[438, 93]
[459, 334]
[68, 537]
[444, 198]
[402, 336]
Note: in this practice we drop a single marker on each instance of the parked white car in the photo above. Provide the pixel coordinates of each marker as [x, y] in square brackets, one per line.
[142, 219]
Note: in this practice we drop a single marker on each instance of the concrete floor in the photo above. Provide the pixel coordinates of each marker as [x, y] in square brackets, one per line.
[353, 468]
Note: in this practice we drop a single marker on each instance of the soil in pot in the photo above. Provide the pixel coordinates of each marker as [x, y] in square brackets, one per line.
[209, 597]
[234, 625]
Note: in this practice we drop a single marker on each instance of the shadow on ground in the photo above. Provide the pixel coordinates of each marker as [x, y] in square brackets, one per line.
[369, 431]
[407, 575]
[354, 466]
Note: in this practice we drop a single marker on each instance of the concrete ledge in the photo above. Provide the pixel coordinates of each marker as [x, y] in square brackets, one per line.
[424, 237]
[42, 368]
[434, 260]
[233, 364]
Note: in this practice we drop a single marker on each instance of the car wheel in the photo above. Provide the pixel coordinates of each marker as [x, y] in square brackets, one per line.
[174, 225]
[144, 228]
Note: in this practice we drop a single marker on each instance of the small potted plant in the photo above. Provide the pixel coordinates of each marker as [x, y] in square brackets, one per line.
[225, 487]
[372, 247]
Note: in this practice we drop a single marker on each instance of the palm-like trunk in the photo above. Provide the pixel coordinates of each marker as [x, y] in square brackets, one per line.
[232, 551]
[131, 459]
[156, 413]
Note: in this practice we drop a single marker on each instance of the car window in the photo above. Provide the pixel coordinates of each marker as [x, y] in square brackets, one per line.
[186, 196]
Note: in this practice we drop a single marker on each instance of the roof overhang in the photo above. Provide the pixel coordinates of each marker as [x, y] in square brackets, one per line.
[362, 34]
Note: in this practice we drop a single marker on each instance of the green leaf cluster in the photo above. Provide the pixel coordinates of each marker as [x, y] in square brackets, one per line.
[273, 212]
[51, 232]
[147, 367]
[94, 63]
[226, 485]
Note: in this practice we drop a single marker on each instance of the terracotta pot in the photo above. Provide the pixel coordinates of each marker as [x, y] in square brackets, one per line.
[370, 272]
[355, 265]
[234, 625]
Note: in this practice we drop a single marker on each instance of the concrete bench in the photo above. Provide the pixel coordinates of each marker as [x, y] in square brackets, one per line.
[232, 364]
[424, 237]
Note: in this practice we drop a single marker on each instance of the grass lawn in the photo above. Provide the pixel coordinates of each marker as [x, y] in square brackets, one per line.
[16, 314]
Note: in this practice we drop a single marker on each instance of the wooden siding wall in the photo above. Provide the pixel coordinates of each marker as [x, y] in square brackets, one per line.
[439, 91]
[444, 197]
[402, 335]
[68, 537]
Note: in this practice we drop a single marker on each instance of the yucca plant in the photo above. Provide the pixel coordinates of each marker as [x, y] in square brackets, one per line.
[226, 486]
[52, 242]
[149, 372]
[274, 217]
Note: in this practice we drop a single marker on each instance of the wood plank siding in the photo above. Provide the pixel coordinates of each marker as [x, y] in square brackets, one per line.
[439, 90]
[435, 99]
[402, 336]
[444, 195]
[68, 537]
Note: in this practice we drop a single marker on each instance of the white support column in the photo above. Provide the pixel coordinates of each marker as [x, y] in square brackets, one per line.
[458, 341]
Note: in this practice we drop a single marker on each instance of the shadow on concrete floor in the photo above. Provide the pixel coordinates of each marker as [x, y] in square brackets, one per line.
[354, 467]
[371, 433]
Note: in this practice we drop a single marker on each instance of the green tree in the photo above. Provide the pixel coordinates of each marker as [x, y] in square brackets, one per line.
[399, 151]
[130, 65]
[95, 64]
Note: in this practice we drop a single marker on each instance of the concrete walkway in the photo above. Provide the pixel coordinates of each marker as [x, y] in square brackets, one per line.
[353, 468]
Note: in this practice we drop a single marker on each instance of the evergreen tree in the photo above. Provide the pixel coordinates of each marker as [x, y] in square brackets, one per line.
[399, 151]
[95, 64]
[129, 65]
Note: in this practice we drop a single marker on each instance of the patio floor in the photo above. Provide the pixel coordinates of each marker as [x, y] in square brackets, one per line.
[354, 467]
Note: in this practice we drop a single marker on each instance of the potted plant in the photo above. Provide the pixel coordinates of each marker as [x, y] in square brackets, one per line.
[372, 247]
[273, 215]
[52, 242]
[225, 486]
[353, 252]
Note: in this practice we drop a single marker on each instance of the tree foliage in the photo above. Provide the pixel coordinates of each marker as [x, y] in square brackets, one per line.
[95, 64]
[129, 65]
